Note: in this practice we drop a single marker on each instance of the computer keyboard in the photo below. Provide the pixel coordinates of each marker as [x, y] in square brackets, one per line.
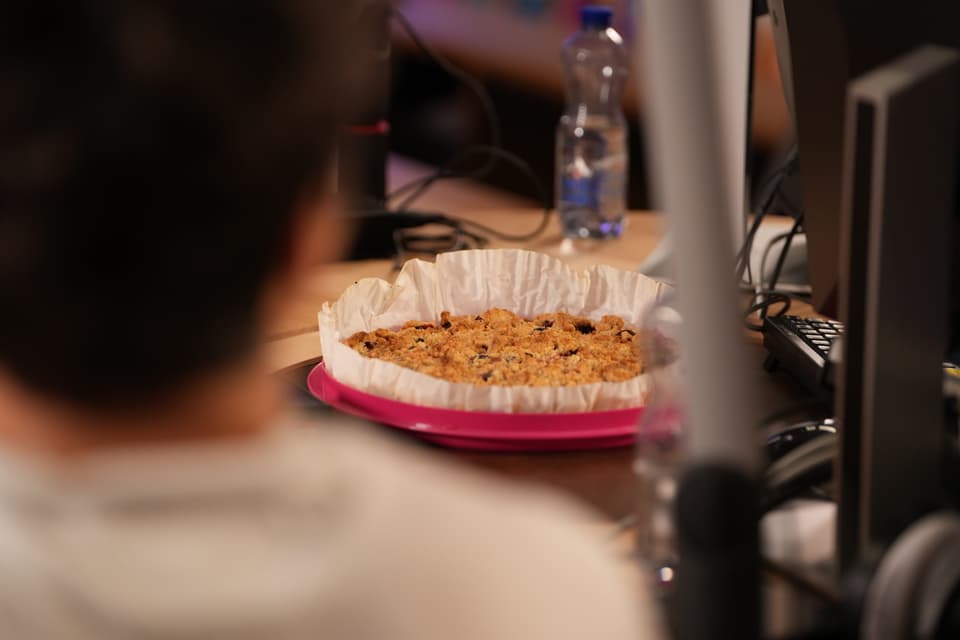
[802, 347]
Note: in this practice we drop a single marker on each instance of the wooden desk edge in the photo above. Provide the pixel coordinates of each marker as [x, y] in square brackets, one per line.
[293, 352]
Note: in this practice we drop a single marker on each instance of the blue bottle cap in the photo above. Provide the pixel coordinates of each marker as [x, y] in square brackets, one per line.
[596, 16]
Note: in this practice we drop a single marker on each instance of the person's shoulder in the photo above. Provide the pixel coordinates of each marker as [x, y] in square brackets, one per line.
[513, 561]
[422, 479]
[432, 492]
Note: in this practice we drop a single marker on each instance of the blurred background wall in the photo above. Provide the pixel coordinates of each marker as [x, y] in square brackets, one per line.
[513, 47]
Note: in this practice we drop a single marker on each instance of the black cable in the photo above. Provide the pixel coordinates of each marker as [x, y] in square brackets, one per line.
[423, 186]
[457, 235]
[413, 184]
[793, 209]
[493, 150]
[777, 239]
[742, 262]
[460, 233]
[472, 83]
[791, 476]
[446, 172]
[800, 582]
[767, 300]
[771, 185]
[524, 168]
[822, 494]
[787, 167]
[795, 410]
[457, 238]
[775, 277]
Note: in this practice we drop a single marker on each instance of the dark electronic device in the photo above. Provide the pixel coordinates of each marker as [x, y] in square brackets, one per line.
[802, 347]
[364, 142]
[821, 46]
[900, 152]
[780, 442]
[813, 52]
[880, 215]
[380, 228]
[876, 109]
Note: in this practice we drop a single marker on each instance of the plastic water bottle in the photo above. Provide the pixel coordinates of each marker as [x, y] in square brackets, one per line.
[661, 454]
[591, 152]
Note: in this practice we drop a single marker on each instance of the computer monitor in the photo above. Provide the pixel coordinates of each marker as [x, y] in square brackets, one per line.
[821, 46]
[844, 61]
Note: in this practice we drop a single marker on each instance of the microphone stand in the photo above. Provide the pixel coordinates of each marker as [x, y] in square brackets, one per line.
[717, 589]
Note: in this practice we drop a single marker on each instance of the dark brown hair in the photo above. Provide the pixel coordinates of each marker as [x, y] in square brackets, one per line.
[151, 155]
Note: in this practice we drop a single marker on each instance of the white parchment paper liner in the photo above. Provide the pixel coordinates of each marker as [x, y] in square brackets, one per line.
[469, 283]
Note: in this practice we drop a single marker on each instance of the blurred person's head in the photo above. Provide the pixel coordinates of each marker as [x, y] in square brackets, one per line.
[160, 161]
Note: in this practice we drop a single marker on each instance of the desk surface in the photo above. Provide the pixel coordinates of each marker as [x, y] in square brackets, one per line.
[602, 479]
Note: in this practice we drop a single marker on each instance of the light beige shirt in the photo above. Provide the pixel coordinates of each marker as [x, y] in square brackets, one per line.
[315, 532]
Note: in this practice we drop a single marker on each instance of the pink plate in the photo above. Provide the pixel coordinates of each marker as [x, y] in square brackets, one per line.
[483, 430]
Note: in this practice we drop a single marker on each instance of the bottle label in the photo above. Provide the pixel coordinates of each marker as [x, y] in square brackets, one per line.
[603, 191]
[581, 191]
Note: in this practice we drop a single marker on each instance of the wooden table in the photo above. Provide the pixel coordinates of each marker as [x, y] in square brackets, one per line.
[603, 479]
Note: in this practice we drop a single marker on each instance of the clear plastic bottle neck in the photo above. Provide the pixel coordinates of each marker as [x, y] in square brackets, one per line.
[595, 68]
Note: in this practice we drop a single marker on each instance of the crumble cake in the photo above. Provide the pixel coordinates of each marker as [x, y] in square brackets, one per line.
[501, 348]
